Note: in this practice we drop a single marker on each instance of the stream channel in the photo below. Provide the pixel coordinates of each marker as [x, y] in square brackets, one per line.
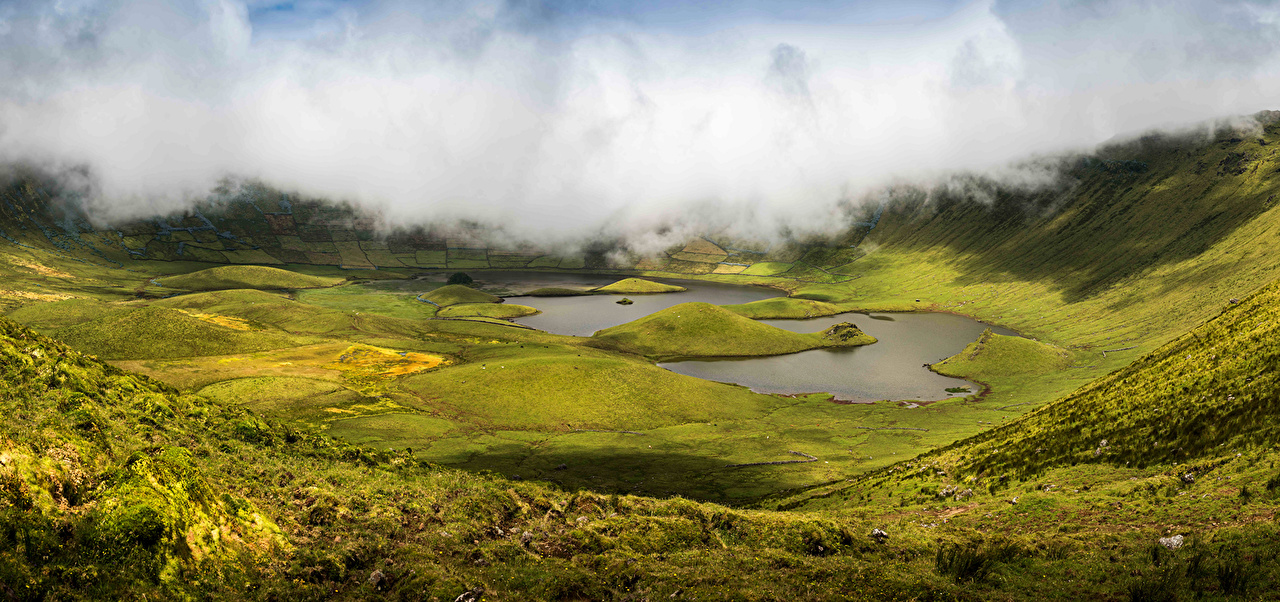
[891, 368]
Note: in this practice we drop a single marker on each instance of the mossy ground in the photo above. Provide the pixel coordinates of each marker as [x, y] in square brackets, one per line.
[638, 286]
[706, 330]
[246, 276]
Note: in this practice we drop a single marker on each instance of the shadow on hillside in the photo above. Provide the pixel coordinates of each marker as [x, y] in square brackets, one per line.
[638, 471]
[1102, 229]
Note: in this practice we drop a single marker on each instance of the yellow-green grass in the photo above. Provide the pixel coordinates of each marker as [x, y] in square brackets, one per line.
[364, 299]
[246, 276]
[766, 268]
[456, 293]
[996, 356]
[296, 513]
[785, 308]
[60, 314]
[638, 286]
[1212, 387]
[157, 332]
[562, 388]
[486, 310]
[703, 330]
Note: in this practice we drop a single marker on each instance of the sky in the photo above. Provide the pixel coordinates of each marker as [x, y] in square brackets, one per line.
[560, 121]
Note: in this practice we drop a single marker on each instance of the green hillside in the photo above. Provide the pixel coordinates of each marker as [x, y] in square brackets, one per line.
[638, 286]
[156, 332]
[706, 330]
[785, 308]
[486, 310]
[454, 294]
[246, 276]
[1216, 386]
[204, 500]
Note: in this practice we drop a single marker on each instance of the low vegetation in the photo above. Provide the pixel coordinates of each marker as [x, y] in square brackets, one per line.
[454, 294]
[706, 330]
[785, 308]
[486, 310]
[638, 286]
[246, 276]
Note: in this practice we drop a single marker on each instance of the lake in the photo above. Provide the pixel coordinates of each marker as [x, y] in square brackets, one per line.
[889, 369]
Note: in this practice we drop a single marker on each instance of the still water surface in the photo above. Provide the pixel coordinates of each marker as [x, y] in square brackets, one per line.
[889, 369]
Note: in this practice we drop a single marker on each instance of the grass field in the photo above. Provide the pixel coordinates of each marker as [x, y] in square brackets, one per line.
[456, 293]
[704, 330]
[638, 286]
[785, 308]
[246, 276]
[1141, 406]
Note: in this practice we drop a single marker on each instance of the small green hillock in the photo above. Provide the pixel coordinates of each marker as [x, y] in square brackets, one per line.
[846, 334]
[785, 308]
[1000, 355]
[246, 276]
[486, 310]
[454, 294]
[705, 330]
[638, 286]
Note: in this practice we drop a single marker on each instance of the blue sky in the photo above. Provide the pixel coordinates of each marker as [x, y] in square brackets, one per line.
[297, 18]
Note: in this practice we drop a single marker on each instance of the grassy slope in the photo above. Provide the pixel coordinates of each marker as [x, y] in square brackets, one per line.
[995, 356]
[125, 472]
[638, 286]
[456, 293]
[156, 332]
[702, 330]
[1093, 268]
[785, 308]
[1158, 448]
[246, 276]
[486, 310]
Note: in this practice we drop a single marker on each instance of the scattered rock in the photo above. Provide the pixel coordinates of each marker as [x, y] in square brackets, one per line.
[526, 537]
[1188, 478]
[515, 477]
[376, 578]
[562, 467]
[879, 535]
[1172, 543]
[471, 595]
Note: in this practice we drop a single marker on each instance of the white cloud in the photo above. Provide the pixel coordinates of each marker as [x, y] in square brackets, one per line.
[462, 111]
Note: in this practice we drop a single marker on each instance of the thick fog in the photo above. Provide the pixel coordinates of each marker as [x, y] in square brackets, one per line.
[557, 124]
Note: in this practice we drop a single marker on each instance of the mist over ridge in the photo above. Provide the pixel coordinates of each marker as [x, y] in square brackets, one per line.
[551, 125]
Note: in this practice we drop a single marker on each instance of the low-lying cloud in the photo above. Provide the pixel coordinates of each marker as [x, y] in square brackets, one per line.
[558, 128]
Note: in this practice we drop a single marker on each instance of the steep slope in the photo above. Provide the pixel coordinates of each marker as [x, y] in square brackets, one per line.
[1217, 386]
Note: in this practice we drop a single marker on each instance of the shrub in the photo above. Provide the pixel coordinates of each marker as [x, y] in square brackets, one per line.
[963, 562]
[459, 278]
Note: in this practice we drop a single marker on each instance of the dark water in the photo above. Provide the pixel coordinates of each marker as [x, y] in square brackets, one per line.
[889, 369]
[583, 316]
